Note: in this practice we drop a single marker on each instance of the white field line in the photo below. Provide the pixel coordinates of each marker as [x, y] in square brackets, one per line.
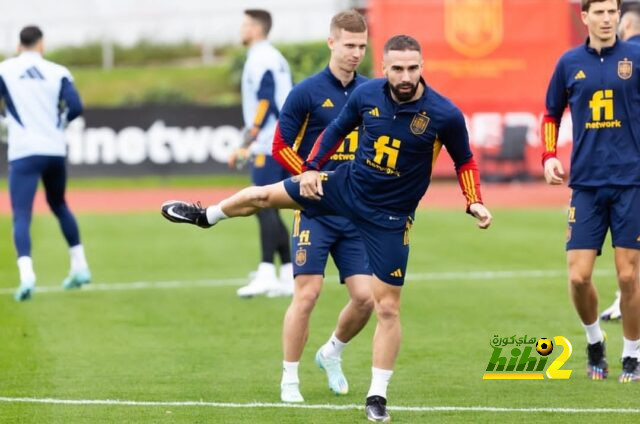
[228, 282]
[113, 402]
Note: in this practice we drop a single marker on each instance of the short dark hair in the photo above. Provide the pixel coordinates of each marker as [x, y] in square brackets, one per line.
[586, 4]
[349, 20]
[401, 43]
[262, 17]
[30, 35]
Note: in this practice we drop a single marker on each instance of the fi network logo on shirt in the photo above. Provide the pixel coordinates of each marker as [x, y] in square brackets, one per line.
[602, 115]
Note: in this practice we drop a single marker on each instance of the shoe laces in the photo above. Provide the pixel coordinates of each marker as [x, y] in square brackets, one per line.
[629, 364]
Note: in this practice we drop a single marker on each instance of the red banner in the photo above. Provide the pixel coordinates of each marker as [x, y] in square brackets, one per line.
[493, 58]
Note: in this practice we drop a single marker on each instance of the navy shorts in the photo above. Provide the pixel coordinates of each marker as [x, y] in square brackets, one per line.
[266, 170]
[385, 235]
[315, 238]
[594, 211]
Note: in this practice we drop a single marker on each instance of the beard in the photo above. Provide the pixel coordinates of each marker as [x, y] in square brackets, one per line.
[404, 96]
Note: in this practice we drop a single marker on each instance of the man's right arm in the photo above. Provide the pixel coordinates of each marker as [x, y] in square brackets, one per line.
[290, 130]
[556, 102]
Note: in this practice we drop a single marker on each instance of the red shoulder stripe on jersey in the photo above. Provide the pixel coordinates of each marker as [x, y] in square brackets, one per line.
[549, 132]
[285, 156]
[469, 180]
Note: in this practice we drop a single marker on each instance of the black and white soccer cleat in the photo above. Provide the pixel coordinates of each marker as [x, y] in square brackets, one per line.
[185, 213]
[597, 367]
[376, 409]
[630, 370]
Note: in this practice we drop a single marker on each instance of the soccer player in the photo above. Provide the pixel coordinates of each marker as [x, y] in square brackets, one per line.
[310, 107]
[405, 123]
[598, 83]
[629, 30]
[266, 82]
[40, 99]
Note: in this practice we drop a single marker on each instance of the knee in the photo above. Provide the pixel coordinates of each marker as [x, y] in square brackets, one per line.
[363, 302]
[58, 208]
[258, 196]
[628, 281]
[387, 310]
[21, 218]
[305, 300]
[579, 280]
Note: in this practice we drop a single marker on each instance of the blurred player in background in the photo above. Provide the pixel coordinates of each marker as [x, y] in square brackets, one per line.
[405, 124]
[266, 82]
[40, 99]
[598, 82]
[629, 30]
[310, 107]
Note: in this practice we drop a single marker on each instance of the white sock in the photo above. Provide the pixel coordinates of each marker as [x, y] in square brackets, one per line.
[215, 214]
[78, 260]
[25, 268]
[594, 333]
[379, 382]
[630, 348]
[290, 372]
[333, 347]
[266, 270]
[286, 272]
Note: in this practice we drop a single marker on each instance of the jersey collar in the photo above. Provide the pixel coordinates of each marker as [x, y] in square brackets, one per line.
[605, 51]
[29, 53]
[337, 82]
[258, 44]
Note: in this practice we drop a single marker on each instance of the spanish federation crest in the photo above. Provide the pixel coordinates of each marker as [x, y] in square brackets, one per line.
[625, 68]
[301, 257]
[474, 28]
[419, 123]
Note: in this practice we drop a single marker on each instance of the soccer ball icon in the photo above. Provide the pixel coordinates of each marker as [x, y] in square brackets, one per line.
[544, 346]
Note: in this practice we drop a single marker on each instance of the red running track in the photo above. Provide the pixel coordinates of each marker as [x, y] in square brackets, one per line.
[439, 195]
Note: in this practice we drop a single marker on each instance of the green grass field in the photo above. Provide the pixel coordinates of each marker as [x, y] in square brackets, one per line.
[196, 341]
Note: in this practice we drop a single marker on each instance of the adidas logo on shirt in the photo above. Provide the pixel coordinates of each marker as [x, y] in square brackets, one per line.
[374, 112]
[327, 103]
[396, 273]
[32, 73]
[580, 75]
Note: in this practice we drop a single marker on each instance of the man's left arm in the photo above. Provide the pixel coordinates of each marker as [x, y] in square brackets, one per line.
[326, 144]
[266, 104]
[456, 139]
[330, 139]
[70, 99]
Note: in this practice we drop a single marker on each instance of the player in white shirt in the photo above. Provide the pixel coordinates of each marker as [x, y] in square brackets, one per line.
[266, 82]
[40, 99]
